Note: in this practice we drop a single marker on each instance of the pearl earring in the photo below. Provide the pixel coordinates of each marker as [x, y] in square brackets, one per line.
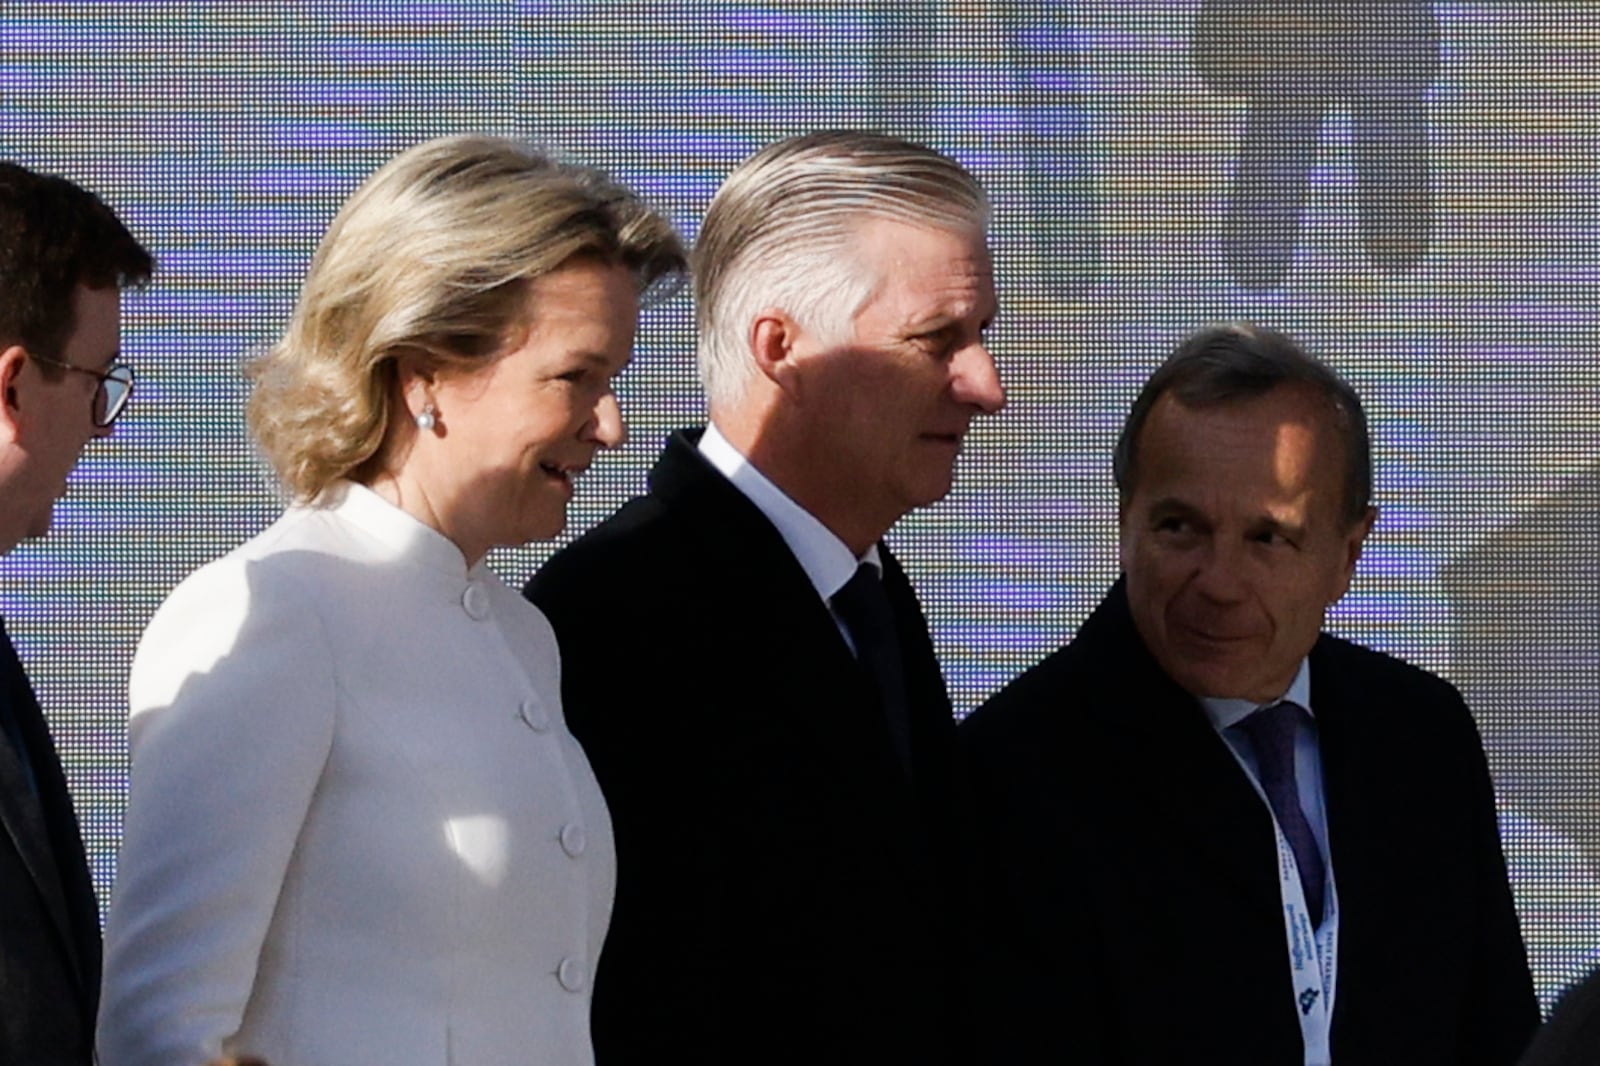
[427, 418]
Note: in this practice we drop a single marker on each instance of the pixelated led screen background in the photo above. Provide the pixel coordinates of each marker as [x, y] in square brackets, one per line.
[1411, 191]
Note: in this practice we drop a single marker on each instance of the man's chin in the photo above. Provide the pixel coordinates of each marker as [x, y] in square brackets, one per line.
[1241, 685]
[1214, 680]
[40, 526]
[932, 488]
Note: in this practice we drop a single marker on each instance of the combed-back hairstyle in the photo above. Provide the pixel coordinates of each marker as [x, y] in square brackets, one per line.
[432, 259]
[55, 236]
[1221, 364]
[780, 234]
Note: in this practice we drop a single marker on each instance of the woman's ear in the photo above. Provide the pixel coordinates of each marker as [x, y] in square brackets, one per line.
[416, 382]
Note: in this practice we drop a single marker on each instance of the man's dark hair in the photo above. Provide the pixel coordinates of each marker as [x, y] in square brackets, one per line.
[55, 236]
[1220, 364]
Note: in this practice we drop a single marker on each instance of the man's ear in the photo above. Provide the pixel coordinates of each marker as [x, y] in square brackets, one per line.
[1122, 532]
[1354, 539]
[13, 363]
[774, 338]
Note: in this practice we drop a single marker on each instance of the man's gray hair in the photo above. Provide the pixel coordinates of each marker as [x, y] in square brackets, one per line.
[1220, 364]
[780, 234]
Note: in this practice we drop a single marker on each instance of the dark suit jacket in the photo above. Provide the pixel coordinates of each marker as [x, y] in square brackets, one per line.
[1139, 868]
[1572, 1036]
[49, 920]
[784, 894]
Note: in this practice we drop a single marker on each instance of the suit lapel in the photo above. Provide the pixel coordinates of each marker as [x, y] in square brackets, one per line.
[765, 603]
[1362, 815]
[1359, 810]
[937, 789]
[21, 808]
[1189, 779]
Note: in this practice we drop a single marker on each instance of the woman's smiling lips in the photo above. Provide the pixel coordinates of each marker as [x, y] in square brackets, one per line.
[566, 475]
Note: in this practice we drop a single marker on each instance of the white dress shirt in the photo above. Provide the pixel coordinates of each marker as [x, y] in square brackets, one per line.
[827, 561]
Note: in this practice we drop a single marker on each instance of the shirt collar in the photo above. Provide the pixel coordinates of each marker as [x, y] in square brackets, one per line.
[1223, 713]
[826, 559]
[403, 536]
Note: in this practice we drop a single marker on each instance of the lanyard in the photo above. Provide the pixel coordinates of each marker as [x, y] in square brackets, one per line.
[1313, 955]
[1313, 952]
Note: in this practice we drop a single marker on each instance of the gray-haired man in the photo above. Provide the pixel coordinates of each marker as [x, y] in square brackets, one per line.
[744, 661]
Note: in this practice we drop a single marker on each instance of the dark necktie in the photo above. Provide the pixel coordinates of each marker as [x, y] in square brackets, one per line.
[1271, 731]
[864, 608]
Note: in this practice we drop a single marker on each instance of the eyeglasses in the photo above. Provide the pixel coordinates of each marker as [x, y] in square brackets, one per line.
[116, 385]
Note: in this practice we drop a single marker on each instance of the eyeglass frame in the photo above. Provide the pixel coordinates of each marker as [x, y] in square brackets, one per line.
[121, 373]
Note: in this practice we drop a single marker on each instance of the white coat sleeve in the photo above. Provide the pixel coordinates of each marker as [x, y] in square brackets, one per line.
[232, 700]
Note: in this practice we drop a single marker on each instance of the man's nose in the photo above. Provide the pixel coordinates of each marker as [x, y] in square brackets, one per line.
[977, 379]
[1220, 577]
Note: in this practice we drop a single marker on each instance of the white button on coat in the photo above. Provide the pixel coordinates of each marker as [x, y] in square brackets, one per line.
[534, 716]
[476, 601]
[572, 974]
[572, 839]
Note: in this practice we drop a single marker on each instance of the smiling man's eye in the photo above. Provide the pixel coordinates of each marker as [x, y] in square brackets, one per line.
[1274, 538]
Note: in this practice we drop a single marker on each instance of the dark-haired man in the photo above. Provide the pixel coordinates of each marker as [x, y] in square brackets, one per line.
[1230, 837]
[64, 258]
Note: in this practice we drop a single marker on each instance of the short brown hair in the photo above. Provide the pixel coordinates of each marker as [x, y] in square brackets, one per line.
[1218, 364]
[54, 237]
[432, 259]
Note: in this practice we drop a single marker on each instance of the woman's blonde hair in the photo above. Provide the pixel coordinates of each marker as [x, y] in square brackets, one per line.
[432, 259]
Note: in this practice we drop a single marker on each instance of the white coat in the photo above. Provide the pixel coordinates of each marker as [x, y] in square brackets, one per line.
[358, 830]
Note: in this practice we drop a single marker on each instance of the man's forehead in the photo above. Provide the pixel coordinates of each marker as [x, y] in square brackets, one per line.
[937, 263]
[1213, 453]
[1281, 419]
[894, 232]
[96, 327]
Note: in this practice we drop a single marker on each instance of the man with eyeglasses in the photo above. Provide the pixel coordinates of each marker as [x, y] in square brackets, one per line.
[64, 258]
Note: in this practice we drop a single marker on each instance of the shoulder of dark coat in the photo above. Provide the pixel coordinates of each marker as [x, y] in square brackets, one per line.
[1347, 660]
[634, 545]
[1385, 695]
[1071, 680]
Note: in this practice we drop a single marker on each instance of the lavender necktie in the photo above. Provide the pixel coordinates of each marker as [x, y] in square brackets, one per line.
[1271, 731]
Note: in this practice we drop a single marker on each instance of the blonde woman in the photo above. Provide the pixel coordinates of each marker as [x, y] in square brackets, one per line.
[358, 829]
